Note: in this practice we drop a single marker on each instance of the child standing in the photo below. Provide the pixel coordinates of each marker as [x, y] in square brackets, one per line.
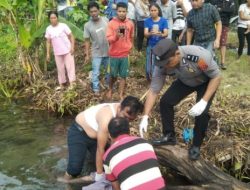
[120, 34]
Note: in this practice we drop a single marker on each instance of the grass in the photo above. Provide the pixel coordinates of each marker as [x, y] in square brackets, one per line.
[236, 78]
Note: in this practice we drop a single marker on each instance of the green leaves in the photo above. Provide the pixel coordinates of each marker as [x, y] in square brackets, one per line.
[5, 4]
[25, 36]
[77, 32]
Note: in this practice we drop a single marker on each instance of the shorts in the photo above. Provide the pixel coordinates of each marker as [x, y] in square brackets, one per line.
[223, 38]
[119, 67]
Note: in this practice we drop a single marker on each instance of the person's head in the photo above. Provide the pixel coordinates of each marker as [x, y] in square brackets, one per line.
[196, 4]
[248, 3]
[121, 10]
[118, 126]
[155, 10]
[166, 54]
[164, 1]
[129, 108]
[94, 10]
[53, 17]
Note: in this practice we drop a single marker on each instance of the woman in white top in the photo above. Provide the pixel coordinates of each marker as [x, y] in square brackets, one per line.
[244, 19]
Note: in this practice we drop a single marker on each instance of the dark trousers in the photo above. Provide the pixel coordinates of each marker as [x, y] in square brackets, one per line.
[175, 37]
[140, 34]
[175, 93]
[78, 145]
[241, 37]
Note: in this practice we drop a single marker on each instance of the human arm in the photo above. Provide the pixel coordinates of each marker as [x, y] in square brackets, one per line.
[102, 137]
[112, 33]
[87, 50]
[243, 16]
[157, 83]
[211, 88]
[218, 27]
[190, 33]
[72, 42]
[115, 185]
[200, 106]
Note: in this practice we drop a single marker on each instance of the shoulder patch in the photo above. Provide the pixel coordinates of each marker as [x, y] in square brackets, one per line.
[202, 65]
[193, 58]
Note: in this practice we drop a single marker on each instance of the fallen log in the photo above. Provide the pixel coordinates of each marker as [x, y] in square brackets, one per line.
[201, 173]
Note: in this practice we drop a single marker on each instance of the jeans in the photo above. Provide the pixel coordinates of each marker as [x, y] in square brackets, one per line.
[78, 145]
[207, 45]
[96, 66]
[175, 93]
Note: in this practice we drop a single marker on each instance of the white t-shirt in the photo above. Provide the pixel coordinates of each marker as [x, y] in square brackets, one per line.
[246, 11]
[131, 11]
[180, 22]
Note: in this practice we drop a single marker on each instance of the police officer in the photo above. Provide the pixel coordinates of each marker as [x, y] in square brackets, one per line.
[196, 71]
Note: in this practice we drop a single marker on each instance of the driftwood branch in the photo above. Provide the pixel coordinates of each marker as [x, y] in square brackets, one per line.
[201, 173]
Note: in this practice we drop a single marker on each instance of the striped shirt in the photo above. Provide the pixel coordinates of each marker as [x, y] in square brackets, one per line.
[203, 21]
[132, 161]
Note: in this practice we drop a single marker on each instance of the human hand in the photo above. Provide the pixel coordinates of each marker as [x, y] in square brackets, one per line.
[72, 51]
[216, 44]
[143, 125]
[99, 177]
[198, 108]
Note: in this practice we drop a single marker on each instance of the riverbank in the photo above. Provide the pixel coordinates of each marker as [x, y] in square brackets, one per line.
[227, 143]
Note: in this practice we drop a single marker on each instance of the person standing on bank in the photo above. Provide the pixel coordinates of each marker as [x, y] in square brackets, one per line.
[204, 21]
[60, 37]
[155, 29]
[225, 9]
[120, 34]
[95, 30]
[90, 132]
[244, 19]
[196, 71]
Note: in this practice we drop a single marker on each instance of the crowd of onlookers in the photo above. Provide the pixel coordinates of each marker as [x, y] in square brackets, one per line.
[181, 38]
[110, 37]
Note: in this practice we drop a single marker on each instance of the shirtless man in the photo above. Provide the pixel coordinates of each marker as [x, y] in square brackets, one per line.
[90, 132]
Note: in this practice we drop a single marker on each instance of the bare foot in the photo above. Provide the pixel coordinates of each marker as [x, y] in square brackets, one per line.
[64, 179]
[84, 179]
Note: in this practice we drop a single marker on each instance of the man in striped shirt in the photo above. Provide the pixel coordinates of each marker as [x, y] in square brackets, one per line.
[130, 162]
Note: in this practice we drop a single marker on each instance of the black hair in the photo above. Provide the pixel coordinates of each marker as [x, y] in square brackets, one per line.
[118, 126]
[157, 6]
[52, 12]
[122, 4]
[134, 104]
[93, 4]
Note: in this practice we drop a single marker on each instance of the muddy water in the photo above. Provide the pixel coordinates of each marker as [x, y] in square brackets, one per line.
[32, 148]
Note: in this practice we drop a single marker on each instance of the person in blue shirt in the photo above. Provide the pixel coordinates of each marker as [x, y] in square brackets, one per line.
[110, 11]
[155, 29]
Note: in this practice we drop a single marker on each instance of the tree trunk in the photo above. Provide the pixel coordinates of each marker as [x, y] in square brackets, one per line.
[200, 172]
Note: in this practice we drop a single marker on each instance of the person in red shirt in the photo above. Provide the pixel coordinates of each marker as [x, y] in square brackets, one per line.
[120, 34]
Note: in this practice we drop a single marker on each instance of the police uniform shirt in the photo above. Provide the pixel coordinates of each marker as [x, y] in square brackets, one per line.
[196, 67]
